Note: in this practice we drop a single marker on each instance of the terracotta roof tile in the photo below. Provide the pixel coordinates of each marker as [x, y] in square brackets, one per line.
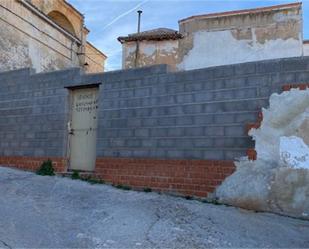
[154, 34]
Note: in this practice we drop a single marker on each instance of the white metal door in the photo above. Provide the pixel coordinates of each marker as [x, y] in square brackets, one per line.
[83, 129]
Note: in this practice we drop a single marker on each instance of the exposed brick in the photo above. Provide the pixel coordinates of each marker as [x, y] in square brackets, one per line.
[252, 154]
[183, 177]
[33, 163]
[301, 86]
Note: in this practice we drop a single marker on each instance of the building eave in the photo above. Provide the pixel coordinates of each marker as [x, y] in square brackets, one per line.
[243, 12]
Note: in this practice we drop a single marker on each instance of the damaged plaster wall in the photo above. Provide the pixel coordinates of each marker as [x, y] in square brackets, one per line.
[306, 49]
[243, 37]
[28, 41]
[278, 180]
[151, 53]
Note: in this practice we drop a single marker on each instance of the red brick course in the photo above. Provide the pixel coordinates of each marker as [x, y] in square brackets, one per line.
[302, 86]
[251, 152]
[32, 163]
[182, 177]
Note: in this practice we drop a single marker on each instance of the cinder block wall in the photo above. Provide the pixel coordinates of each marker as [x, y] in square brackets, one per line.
[199, 114]
[152, 123]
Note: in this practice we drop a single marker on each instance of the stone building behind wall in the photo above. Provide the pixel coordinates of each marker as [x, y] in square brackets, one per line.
[157, 46]
[45, 35]
[306, 48]
[222, 38]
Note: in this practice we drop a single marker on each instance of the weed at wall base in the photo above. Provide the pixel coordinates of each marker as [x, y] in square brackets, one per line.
[46, 169]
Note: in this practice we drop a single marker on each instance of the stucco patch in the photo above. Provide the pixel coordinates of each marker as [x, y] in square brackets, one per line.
[221, 48]
[276, 183]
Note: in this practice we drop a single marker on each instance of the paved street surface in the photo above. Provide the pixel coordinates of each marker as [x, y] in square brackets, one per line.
[38, 211]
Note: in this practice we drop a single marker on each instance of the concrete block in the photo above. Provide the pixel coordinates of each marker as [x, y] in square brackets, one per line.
[269, 67]
[234, 130]
[302, 77]
[141, 132]
[194, 131]
[134, 122]
[222, 95]
[203, 119]
[224, 118]
[193, 86]
[141, 153]
[224, 71]
[167, 143]
[167, 121]
[117, 142]
[203, 143]
[176, 132]
[193, 154]
[184, 120]
[142, 92]
[245, 68]
[258, 80]
[283, 78]
[213, 154]
[214, 131]
[150, 122]
[234, 154]
[175, 110]
[245, 93]
[204, 96]
[175, 154]
[246, 117]
[191, 109]
[149, 143]
[123, 132]
[133, 143]
[184, 98]
[119, 123]
[158, 132]
[158, 153]
[235, 82]
[294, 64]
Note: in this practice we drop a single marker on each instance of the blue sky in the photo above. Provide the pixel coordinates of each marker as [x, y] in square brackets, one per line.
[108, 19]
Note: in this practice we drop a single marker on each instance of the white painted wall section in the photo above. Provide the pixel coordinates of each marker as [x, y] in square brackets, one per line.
[215, 48]
[306, 49]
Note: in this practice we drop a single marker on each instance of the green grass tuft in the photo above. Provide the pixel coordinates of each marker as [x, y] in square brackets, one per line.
[46, 169]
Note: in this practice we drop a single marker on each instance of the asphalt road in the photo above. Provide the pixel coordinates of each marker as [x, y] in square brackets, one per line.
[48, 212]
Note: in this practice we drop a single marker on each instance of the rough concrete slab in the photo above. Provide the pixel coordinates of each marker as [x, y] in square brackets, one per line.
[39, 212]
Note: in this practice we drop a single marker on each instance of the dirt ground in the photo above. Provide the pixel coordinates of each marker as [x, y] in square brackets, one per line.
[47, 212]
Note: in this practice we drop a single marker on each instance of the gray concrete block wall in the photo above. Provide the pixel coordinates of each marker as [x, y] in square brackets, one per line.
[194, 114]
[147, 112]
[34, 113]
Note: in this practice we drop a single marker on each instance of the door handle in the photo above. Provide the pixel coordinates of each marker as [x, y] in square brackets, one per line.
[70, 130]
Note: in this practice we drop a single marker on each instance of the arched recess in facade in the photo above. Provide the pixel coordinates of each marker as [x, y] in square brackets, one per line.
[62, 21]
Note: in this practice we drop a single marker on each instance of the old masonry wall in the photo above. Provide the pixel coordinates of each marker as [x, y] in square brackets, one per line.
[173, 132]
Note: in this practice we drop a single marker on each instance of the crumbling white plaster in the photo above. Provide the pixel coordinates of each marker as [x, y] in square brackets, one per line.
[294, 153]
[214, 48]
[306, 49]
[278, 180]
[282, 17]
[284, 116]
[148, 49]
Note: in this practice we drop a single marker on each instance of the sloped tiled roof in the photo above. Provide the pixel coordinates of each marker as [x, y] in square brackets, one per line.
[154, 34]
